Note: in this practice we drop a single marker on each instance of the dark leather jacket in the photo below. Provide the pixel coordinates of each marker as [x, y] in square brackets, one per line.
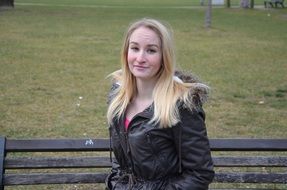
[153, 158]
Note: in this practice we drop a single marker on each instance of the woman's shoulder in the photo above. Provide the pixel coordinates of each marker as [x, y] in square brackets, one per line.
[195, 92]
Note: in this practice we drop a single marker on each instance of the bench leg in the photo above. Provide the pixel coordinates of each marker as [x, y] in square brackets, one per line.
[2, 156]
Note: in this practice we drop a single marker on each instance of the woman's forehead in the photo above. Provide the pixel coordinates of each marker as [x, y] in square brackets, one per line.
[144, 35]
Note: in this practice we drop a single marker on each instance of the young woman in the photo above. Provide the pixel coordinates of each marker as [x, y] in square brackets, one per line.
[156, 119]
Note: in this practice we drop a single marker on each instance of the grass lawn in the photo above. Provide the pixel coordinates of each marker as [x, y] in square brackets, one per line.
[55, 56]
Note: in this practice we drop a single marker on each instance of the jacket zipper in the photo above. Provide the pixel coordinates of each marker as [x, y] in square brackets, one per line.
[131, 167]
[126, 132]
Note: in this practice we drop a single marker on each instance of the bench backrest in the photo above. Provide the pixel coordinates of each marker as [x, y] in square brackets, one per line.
[8, 163]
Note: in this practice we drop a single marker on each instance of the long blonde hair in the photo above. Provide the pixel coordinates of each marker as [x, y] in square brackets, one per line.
[165, 109]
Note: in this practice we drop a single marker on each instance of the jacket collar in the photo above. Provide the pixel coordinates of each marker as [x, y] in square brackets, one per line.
[148, 112]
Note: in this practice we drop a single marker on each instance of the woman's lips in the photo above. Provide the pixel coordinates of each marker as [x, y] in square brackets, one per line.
[140, 67]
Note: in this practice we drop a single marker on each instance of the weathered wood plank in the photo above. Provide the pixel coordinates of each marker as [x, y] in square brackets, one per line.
[53, 145]
[38, 145]
[251, 178]
[104, 162]
[71, 178]
[66, 162]
[248, 144]
[62, 178]
[257, 161]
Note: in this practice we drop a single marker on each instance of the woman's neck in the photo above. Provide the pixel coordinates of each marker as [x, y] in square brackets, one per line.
[142, 99]
[145, 89]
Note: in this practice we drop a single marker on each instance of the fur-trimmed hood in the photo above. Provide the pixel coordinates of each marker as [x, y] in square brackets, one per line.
[198, 90]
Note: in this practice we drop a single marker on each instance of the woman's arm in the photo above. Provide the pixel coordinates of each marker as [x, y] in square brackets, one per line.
[197, 167]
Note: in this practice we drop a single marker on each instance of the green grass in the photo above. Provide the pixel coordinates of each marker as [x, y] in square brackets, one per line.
[53, 52]
[52, 55]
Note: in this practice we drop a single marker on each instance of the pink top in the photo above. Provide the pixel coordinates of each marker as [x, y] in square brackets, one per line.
[127, 122]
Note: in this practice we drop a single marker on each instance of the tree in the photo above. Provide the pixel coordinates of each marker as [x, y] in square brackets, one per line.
[208, 14]
[245, 3]
[201, 2]
[6, 3]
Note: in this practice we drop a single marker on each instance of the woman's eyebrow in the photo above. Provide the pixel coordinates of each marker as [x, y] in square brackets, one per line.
[153, 45]
[149, 45]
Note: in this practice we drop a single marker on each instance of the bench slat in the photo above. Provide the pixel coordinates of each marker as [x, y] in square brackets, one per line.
[248, 144]
[62, 178]
[71, 178]
[54, 145]
[258, 161]
[67, 162]
[251, 178]
[104, 162]
[50, 145]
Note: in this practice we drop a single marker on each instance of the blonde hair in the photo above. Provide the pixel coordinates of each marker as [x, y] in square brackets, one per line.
[165, 109]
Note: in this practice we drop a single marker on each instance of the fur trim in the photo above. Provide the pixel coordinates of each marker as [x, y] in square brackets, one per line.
[198, 91]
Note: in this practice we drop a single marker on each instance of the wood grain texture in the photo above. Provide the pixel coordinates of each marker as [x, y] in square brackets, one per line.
[49, 145]
[51, 178]
[104, 162]
[81, 178]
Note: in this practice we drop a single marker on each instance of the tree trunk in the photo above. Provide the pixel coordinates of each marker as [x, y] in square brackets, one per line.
[227, 3]
[201, 2]
[244, 3]
[208, 14]
[6, 3]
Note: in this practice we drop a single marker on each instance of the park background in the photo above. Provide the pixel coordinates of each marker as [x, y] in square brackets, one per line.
[55, 56]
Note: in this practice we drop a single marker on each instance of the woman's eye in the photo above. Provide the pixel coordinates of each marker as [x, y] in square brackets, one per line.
[151, 51]
[134, 48]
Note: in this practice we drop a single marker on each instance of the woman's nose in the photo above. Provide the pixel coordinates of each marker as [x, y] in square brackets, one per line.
[141, 57]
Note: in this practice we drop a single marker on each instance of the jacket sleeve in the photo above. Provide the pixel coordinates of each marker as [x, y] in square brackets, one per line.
[113, 176]
[196, 163]
[115, 173]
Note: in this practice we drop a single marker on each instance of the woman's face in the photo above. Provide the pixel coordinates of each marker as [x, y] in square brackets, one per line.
[144, 53]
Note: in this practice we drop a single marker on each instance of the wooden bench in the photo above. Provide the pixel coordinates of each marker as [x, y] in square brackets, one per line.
[271, 3]
[15, 164]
